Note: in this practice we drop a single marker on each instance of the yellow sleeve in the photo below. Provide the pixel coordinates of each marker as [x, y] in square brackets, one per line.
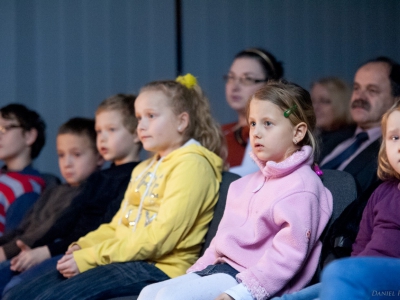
[191, 192]
[104, 232]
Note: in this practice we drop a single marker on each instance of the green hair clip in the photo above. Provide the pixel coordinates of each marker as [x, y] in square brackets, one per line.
[287, 112]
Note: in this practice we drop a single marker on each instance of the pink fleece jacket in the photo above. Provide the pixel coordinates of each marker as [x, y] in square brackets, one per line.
[271, 226]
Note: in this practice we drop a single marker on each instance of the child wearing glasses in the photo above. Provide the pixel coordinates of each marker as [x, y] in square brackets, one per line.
[249, 71]
[158, 231]
[22, 136]
[78, 158]
[101, 195]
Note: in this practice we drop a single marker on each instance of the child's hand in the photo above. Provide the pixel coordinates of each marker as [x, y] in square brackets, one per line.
[73, 248]
[28, 257]
[2, 255]
[67, 266]
[224, 296]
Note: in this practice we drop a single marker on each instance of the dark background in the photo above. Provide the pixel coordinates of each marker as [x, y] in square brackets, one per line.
[63, 57]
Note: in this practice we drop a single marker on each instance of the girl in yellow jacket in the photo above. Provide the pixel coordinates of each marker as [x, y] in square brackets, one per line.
[160, 226]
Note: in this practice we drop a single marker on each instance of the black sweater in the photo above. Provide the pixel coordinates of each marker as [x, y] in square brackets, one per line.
[98, 202]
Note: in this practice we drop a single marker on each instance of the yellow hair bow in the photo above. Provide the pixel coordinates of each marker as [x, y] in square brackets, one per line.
[188, 80]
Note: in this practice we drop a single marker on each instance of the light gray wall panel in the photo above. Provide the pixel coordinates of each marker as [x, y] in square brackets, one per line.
[312, 38]
[62, 57]
[8, 52]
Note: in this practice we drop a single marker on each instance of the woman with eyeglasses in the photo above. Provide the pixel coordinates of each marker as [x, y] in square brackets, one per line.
[250, 69]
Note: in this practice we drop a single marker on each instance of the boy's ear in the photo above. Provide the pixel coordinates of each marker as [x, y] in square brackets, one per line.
[30, 136]
[183, 121]
[300, 131]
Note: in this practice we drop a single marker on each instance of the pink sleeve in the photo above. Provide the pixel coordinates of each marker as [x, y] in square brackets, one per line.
[298, 217]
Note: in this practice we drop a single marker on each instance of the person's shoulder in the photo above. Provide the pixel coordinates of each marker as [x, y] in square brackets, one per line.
[346, 131]
[386, 188]
[303, 179]
[228, 126]
[251, 182]
[27, 177]
[192, 151]
[196, 154]
[59, 187]
[120, 169]
[55, 191]
[113, 171]
[29, 170]
[385, 197]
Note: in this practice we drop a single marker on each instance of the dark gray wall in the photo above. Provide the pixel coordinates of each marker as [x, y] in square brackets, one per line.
[313, 38]
[62, 57]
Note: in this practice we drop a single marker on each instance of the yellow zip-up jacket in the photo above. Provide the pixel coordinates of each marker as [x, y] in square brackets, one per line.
[164, 215]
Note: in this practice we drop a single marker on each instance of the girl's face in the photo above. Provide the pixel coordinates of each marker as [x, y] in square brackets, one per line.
[271, 134]
[323, 107]
[159, 128]
[393, 140]
[237, 89]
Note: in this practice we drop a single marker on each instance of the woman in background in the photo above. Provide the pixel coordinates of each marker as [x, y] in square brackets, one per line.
[249, 71]
[331, 100]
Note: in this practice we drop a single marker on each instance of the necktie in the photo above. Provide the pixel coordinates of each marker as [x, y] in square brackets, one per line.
[338, 160]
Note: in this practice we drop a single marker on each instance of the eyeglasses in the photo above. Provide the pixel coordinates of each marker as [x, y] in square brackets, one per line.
[244, 80]
[5, 129]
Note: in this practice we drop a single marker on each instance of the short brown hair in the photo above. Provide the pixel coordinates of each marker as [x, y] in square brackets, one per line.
[82, 127]
[123, 103]
[28, 119]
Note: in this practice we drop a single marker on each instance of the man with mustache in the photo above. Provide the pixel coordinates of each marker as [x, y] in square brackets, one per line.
[376, 85]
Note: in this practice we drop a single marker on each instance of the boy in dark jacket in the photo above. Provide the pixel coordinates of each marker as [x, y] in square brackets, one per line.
[103, 192]
[78, 158]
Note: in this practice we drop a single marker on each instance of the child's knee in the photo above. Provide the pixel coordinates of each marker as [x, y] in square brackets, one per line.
[167, 293]
[149, 292]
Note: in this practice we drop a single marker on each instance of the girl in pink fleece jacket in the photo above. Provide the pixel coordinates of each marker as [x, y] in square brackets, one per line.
[268, 240]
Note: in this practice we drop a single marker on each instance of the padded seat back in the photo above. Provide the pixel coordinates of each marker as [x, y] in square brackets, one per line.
[343, 188]
[227, 179]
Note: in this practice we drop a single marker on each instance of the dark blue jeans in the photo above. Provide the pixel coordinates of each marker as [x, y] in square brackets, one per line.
[5, 274]
[103, 282]
[32, 273]
[218, 268]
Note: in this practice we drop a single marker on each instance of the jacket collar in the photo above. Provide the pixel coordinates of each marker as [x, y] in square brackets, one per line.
[271, 169]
